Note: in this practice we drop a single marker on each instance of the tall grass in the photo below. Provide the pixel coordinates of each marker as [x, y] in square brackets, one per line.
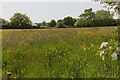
[57, 53]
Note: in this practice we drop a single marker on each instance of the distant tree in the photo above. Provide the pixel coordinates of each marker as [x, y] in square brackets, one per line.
[4, 23]
[69, 21]
[60, 20]
[84, 23]
[44, 24]
[103, 14]
[39, 24]
[60, 24]
[20, 21]
[88, 14]
[52, 23]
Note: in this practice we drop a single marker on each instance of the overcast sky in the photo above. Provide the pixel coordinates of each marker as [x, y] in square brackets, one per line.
[45, 11]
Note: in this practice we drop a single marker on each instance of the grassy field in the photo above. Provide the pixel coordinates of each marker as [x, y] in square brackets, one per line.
[57, 53]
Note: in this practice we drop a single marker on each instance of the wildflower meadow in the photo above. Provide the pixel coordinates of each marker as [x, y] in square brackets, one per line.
[60, 53]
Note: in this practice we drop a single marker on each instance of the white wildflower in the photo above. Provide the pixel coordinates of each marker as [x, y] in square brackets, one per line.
[110, 47]
[101, 53]
[118, 49]
[114, 56]
[104, 44]
[8, 73]
[103, 58]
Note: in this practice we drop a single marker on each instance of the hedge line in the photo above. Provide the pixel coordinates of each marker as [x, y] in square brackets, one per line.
[79, 23]
[95, 23]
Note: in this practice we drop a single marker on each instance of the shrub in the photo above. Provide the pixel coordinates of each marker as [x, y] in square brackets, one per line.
[61, 25]
[105, 22]
[69, 21]
[95, 23]
[52, 23]
[118, 21]
[84, 23]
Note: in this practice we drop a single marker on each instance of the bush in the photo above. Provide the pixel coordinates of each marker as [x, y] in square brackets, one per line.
[60, 25]
[105, 22]
[69, 21]
[118, 21]
[52, 23]
[7, 26]
[95, 23]
[4, 24]
[84, 23]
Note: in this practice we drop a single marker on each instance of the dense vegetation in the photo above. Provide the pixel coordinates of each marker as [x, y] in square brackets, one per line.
[58, 53]
[61, 53]
[88, 18]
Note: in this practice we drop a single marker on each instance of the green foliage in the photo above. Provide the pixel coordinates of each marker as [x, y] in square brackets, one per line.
[84, 23]
[60, 24]
[52, 23]
[44, 23]
[105, 22]
[4, 23]
[59, 53]
[20, 21]
[103, 14]
[95, 23]
[60, 20]
[69, 21]
[118, 22]
[110, 4]
[88, 14]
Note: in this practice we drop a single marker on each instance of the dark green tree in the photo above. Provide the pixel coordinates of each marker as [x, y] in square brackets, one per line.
[60, 24]
[88, 14]
[20, 21]
[60, 20]
[44, 23]
[4, 23]
[69, 21]
[52, 23]
[103, 14]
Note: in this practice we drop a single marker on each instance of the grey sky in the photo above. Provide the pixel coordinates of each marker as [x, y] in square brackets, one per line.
[45, 11]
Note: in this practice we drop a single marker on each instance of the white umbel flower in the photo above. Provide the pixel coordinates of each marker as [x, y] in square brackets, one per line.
[114, 56]
[110, 47]
[103, 45]
[118, 49]
[101, 53]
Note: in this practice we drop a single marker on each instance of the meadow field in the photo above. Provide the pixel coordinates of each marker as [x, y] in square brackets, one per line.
[58, 53]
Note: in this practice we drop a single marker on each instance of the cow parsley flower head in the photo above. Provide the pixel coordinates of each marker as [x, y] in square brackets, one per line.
[110, 47]
[118, 49]
[114, 56]
[101, 53]
[103, 45]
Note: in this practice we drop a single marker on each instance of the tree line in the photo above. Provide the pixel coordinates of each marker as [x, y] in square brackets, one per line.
[88, 18]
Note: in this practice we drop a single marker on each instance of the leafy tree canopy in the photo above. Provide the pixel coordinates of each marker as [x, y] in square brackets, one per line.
[20, 21]
[4, 22]
[69, 21]
[103, 14]
[52, 23]
[88, 14]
